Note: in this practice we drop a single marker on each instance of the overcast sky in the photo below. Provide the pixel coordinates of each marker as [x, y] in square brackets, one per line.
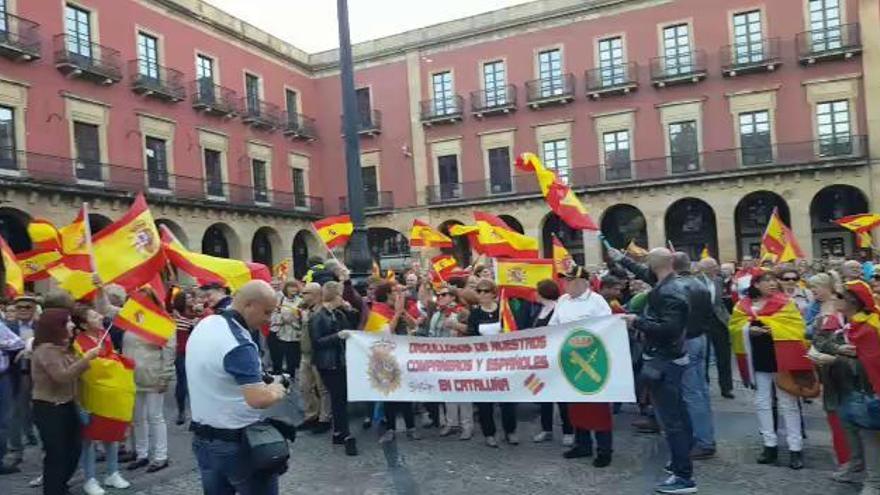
[369, 19]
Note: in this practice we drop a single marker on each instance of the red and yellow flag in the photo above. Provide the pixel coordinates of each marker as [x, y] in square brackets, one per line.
[508, 322]
[562, 260]
[443, 265]
[864, 333]
[423, 235]
[75, 242]
[864, 240]
[44, 235]
[128, 252]
[496, 239]
[778, 242]
[334, 231]
[207, 269]
[146, 319]
[35, 264]
[559, 197]
[14, 284]
[380, 317]
[859, 223]
[106, 391]
[520, 277]
[282, 269]
[635, 250]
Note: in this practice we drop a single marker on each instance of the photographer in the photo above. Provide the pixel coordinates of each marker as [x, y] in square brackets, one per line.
[227, 393]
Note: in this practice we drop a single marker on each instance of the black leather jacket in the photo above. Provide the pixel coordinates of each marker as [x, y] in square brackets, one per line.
[328, 350]
[700, 304]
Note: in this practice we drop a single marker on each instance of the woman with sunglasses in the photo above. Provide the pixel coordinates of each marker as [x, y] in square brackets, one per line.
[790, 282]
[485, 320]
[446, 322]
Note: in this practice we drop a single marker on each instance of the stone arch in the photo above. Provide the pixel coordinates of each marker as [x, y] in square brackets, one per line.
[388, 247]
[830, 203]
[690, 227]
[266, 246]
[175, 229]
[513, 223]
[624, 223]
[305, 244]
[750, 220]
[572, 239]
[13, 229]
[461, 247]
[220, 240]
[98, 222]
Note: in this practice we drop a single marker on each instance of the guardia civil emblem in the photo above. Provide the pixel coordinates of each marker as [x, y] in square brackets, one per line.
[584, 361]
[383, 371]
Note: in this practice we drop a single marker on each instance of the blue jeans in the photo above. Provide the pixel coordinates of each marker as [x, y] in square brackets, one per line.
[663, 379]
[88, 458]
[225, 469]
[695, 391]
[5, 410]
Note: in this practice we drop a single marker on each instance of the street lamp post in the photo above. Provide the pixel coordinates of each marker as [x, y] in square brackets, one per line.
[358, 252]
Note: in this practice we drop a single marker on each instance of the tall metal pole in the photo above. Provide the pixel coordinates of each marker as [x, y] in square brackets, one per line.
[359, 252]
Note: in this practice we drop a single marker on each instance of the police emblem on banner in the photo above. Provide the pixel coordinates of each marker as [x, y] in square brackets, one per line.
[383, 370]
[584, 361]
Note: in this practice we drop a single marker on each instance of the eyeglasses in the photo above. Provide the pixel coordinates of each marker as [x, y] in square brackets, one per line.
[789, 279]
[484, 291]
[441, 294]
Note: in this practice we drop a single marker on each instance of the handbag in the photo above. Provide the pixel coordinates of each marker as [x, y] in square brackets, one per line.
[266, 448]
[860, 409]
[800, 383]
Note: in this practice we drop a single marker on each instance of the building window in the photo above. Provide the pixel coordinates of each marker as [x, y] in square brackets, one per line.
[550, 73]
[833, 128]
[148, 56]
[615, 146]
[754, 137]
[499, 170]
[214, 173]
[447, 170]
[365, 108]
[444, 99]
[8, 154]
[291, 105]
[88, 151]
[611, 65]
[825, 32]
[205, 78]
[748, 37]
[556, 157]
[3, 24]
[261, 189]
[156, 152]
[78, 27]
[371, 187]
[683, 146]
[677, 50]
[299, 188]
[252, 90]
[495, 83]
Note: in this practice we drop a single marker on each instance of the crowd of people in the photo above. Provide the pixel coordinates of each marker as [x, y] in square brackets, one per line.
[798, 332]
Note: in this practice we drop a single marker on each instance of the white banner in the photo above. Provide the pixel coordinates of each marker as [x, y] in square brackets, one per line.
[586, 361]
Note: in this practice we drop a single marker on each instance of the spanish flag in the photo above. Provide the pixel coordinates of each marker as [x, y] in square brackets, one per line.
[206, 269]
[508, 322]
[282, 269]
[35, 263]
[787, 327]
[443, 265]
[559, 196]
[75, 242]
[520, 277]
[859, 223]
[423, 235]
[146, 319]
[379, 319]
[44, 235]
[106, 391]
[562, 260]
[864, 333]
[864, 240]
[14, 285]
[496, 239]
[779, 241]
[334, 231]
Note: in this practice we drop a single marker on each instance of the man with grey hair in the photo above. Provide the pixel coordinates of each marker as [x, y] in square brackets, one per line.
[316, 399]
[852, 270]
[716, 331]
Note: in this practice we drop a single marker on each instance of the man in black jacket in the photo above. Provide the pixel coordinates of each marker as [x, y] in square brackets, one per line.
[716, 332]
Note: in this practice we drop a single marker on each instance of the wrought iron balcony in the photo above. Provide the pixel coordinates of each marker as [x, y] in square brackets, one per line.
[374, 201]
[156, 81]
[260, 114]
[612, 80]
[684, 68]
[19, 38]
[745, 58]
[299, 126]
[557, 90]
[368, 123]
[493, 102]
[505, 187]
[838, 42]
[213, 99]
[442, 111]
[79, 57]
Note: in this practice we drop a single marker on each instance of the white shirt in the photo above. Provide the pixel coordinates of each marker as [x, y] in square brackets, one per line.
[586, 305]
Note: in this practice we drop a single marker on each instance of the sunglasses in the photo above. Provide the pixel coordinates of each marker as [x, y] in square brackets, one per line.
[441, 294]
[484, 291]
[789, 279]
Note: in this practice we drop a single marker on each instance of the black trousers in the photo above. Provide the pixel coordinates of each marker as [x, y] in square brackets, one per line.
[59, 429]
[486, 414]
[405, 409]
[547, 417]
[719, 337]
[433, 409]
[584, 438]
[336, 385]
[285, 356]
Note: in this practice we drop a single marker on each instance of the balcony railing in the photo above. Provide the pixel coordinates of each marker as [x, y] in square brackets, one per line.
[373, 201]
[39, 170]
[492, 102]
[551, 90]
[213, 99]
[612, 79]
[829, 43]
[757, 56]
[686, 67]
[299, 126]
[512, 186]
[368, 123]
[79, 57]
[19, 38]
[260, 114]
[442, 110]
[156, 81]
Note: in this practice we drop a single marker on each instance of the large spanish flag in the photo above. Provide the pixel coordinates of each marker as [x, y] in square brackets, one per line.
[146, 319]
[14, 285]
[75, 242]
[128, 251]
[496, 239]
[443, 265]
[334, 231]
[859, 223]
[781, 315]
[35, 264]
[559, 197]
[106, 391]
[778, 242]
[380, 317]
[562, 260]
[864, 333]
[43, 234]
[520, 277]
[423, 235]
[206, 269]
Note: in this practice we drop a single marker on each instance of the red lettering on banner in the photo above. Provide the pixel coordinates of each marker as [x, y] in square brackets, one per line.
[522, 344]
[435, 348]
[517, 363]
[439, 365]
[482, 385]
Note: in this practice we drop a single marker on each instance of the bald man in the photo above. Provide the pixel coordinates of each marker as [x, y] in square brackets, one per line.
[227, 393]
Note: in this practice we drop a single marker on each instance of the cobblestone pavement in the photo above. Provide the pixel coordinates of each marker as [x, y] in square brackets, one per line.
[437, 465]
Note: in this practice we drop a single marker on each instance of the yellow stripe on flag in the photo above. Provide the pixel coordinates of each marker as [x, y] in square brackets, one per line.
[143, 317]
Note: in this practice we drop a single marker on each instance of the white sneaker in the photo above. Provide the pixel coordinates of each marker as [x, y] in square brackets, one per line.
[512, 439]
[387, 437]
[542, 437]
[492, 442]
[567, 440]
[116, 480]
[466, 434]
[446, 431]
[38, 481]
[92, 487]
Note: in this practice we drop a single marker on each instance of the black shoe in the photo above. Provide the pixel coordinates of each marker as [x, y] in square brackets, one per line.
[321, 427]
[768, 455]
[727, 394]
[137, 464]
[126, 456]
[367, 424]
[338, 439]
[157, 466]
[796, 461]
[602, 460]
[9, 470]
[308, 424]
[350, 446]
[701, 453]
[181, 418]
[576, 452]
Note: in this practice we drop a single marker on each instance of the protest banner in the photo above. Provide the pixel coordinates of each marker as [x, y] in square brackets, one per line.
[585, 361]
